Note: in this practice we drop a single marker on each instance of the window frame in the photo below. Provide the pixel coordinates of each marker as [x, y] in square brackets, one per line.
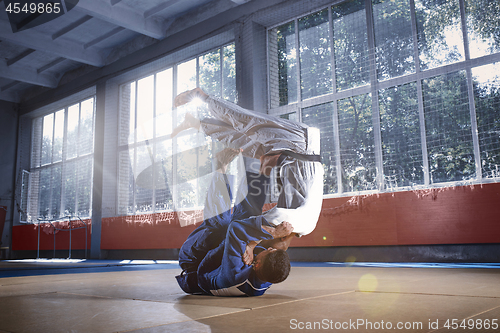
[154, 141]
[374, 86]
[62, 163]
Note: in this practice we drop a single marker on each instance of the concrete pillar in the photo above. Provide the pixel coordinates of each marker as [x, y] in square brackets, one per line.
[95, 239]
[252, 66]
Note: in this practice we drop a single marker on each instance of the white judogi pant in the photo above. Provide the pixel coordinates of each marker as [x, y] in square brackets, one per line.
[301, 193]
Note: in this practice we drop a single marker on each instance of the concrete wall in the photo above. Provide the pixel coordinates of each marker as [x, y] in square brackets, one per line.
[443, 224]
[8, 139]
[456, 224]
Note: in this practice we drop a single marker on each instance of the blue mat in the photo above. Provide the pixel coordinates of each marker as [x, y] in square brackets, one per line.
[15, 268]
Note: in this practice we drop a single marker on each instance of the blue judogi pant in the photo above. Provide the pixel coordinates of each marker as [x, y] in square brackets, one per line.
[218, 217]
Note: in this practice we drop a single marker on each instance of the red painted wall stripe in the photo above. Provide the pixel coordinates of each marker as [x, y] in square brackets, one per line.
[453, 215]
[25, 237]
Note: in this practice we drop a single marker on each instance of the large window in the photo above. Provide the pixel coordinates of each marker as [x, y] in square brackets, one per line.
[62, 163]
[156, 172]
[405, 93]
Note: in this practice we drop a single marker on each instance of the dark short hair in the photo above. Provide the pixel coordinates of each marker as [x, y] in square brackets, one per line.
[276, 266]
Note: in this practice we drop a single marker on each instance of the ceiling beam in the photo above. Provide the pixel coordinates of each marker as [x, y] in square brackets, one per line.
[19, 57]
[49, 65]
[204, 12]
[71, 26]
[8, 86]
[9, 97]
[27, 75]
[122, 16]
[151, 53]
[103, 37]
[159, 8]
[33, 39]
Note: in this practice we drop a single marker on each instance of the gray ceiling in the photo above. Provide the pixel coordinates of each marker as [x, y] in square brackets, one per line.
[94, 34]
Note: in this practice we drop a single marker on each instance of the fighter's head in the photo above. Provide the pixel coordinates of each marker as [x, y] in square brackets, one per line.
[272, 265]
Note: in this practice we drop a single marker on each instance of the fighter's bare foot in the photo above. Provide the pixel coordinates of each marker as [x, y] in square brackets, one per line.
[189, 122]
[224, 157]
[188, 96]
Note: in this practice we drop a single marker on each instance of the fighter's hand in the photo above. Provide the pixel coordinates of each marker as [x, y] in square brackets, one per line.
[225, 156]
[281, 230]
[248, 255]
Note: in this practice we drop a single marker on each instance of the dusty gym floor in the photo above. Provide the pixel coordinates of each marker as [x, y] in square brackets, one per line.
[143, 296]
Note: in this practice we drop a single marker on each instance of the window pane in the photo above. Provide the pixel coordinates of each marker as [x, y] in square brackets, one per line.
[128, 113]
[186, 76]
[87, 127]
[164, 92]
[34, 196]
[36, 142]
[283, 65]
[440, 39]
[351, 44]
[56, 192]
[487, 101]
[229, 73]
[290, 116]
[483, 20]
[401, 141]
[85, 187]
[24, 195]
[448, 129]
[321, 116]
[144, 187]
[193, 161]
[315, 55]
[44, 194]
[145, 100]
[70, 187]
[186, 173]
[58, 135]
[357, 143]
[186, 194]
[163, 182]
[72, 131]
[204, 170]
[210, 73]
[48, 132]
[126, 182]
[393, 38]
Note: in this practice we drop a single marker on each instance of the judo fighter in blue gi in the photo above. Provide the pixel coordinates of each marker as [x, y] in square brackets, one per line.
[215, 257]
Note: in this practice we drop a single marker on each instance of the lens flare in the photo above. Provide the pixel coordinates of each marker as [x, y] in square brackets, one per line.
[196, 102]
[368, 283]
[350, 260]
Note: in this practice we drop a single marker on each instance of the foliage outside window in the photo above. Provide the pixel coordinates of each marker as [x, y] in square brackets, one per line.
[62, 163]
[158, 173]
[405, 93]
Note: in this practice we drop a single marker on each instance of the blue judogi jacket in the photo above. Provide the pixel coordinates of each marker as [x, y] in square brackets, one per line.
[211, 257]
[222, 271]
